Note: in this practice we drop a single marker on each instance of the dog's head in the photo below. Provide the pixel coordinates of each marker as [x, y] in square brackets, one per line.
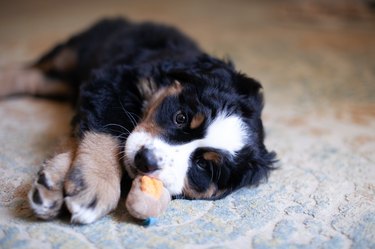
[202, 133]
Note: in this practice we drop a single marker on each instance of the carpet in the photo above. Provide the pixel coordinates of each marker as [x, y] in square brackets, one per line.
[316, 61]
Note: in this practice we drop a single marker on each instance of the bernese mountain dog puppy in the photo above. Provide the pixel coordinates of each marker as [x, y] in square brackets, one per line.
[148, 101]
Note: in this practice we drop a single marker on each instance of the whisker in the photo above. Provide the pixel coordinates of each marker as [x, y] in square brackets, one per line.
[131, 118]
[129, 114]
[117, 125]
[121, 153]
[134, 114]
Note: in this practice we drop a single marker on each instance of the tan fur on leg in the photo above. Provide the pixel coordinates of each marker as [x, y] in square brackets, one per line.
[92, 185]
[19, 80]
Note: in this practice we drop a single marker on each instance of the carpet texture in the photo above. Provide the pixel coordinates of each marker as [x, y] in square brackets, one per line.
[316, 61]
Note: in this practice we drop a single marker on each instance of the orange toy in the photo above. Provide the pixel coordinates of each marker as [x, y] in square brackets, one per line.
[147, 199]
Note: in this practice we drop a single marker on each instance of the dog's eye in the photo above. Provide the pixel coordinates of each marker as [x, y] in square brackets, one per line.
[201, 164]
[180, 118]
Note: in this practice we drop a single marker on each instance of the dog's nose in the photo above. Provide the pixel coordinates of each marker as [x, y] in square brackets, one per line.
[145, 160]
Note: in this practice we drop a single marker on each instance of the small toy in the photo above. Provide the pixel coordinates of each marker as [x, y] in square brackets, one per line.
[147, 199]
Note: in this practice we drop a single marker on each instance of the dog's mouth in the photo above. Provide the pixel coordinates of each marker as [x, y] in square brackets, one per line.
[168, 177]
[154, 174]
[141, 169]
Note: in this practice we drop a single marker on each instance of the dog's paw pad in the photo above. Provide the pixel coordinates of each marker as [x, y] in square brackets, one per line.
[44, 199]
[42, 180]
[45, 203]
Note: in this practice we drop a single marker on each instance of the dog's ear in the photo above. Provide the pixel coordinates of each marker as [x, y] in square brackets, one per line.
[247, 86]
[250, 90]
[253, 166]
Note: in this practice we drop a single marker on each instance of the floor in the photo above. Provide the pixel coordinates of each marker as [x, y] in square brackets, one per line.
[316, 61]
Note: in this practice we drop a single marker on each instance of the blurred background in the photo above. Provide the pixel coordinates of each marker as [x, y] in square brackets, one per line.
[280, 42]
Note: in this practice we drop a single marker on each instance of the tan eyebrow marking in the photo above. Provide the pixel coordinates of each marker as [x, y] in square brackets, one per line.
[212, 156]
[197, 120]
[210, 192]
[189, 191]
[148, 124]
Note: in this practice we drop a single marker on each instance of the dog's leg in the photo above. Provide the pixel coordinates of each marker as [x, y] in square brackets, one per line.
[49, 76]
[46, 195]
[92, 185]
[62, 69]
[32, 81]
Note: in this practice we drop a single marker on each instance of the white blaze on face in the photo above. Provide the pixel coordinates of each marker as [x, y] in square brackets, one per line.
[225, 133]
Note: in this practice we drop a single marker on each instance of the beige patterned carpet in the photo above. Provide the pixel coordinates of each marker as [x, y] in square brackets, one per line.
[316, 61]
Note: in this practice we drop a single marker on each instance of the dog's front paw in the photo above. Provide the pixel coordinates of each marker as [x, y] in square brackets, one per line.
[89, 196]
[46, 194]
[45, 197]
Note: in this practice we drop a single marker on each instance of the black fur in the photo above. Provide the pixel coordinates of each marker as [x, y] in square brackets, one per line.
[114, 55]
[42, 180]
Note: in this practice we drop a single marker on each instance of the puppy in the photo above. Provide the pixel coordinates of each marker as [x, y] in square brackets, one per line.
[148, 101]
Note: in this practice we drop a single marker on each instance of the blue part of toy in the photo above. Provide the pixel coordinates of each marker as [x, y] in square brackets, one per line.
[150, 221]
